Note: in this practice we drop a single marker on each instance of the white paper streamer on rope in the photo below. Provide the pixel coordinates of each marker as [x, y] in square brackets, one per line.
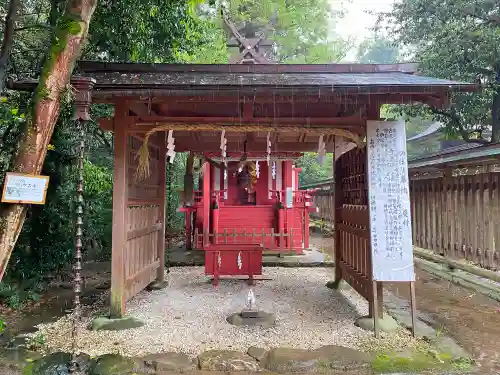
[171, 146]
[274, 170]
[240, 262]
[268, 147]
[257, 169]
[321, 149]
[342, 146]
[223, 145]
[225, 176]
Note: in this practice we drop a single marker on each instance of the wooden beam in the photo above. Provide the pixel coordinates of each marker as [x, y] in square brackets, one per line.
[286, 99]
[119, 226]
[149, 121]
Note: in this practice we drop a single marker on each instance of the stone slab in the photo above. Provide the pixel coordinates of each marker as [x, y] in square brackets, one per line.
[108, 324]
[227, 360]
[177, 362]
[157, 285]
[258, 353]
[386, 324]
[264, 320]
[324, 359]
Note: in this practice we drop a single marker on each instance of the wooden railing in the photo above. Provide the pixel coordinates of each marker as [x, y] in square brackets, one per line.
[245, 237]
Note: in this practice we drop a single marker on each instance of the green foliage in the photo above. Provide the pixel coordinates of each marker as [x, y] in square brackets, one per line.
[3, 326]
[312, 171]
[145, 31]
[301, 29]
[378, 50]
[460, 40]
[149, 31]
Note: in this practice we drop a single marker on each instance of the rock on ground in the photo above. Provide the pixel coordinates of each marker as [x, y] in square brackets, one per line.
[326, 358]
[177, 362]
[227, 360]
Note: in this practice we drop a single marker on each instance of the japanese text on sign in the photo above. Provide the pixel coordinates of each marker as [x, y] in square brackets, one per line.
[23, 188]
[389, 202]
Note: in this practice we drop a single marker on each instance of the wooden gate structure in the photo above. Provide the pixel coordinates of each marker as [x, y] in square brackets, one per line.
[298, 108]
[352, 225]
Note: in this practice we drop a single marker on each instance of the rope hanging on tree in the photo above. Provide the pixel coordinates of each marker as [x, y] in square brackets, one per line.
[143, 172]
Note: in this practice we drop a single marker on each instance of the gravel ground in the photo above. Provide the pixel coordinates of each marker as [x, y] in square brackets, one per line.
[189, 316]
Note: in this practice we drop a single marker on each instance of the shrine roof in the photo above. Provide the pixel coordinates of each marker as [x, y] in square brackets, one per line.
[354, 78]
[461, 154]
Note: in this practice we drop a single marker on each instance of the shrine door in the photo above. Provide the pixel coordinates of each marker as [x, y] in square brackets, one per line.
[352, 223]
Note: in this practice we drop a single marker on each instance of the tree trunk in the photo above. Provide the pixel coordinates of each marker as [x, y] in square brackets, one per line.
[66, 48]
[8, 39]
[495, 117]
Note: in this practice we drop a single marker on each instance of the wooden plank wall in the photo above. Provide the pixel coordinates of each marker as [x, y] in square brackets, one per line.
[324, 200]
[458, 216]
[145, 218]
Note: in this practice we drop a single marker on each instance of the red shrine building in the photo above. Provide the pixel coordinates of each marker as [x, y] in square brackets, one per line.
[255, 201]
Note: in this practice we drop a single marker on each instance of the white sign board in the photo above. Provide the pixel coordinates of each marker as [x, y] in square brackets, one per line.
[25, 188]
[389, 202]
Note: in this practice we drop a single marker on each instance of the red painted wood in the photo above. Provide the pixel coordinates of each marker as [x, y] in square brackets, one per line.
[238, 222]
[206, 202]
[250, 260]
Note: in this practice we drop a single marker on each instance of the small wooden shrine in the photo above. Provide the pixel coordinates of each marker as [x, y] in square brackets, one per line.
[255, 112]
[250, 203]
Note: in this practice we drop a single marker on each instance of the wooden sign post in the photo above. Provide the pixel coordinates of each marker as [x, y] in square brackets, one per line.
[389, 205]
[25, 188]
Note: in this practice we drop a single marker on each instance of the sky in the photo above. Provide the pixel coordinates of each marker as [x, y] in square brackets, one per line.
[357, 22]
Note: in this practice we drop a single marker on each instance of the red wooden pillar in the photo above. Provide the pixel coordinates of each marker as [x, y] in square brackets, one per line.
[281, 224]
[289, 211]
[215, 223]
[188, 217]
[119, 226]
[305, 235]
[206, 203]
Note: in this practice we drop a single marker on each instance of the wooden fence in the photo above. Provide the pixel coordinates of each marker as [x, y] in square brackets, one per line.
[458, 216]
[455, 204]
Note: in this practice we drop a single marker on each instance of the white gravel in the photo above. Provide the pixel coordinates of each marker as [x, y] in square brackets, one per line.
[190, 316]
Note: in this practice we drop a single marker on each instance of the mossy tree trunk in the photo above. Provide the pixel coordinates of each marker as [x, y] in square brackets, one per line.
[66, 47]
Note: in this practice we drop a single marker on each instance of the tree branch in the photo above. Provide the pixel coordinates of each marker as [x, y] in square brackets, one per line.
[464, 133]
[491, 19]
[34, 26]
[8, 39]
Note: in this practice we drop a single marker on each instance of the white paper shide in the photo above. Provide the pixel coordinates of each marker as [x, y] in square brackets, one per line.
[389, 202]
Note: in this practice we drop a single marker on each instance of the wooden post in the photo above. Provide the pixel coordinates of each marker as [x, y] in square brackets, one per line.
[338, 205]
[413, 305]
[120, 188]
[162, 181]
[289, 212]
[215, 223]
[206, 204]
[305, 235]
